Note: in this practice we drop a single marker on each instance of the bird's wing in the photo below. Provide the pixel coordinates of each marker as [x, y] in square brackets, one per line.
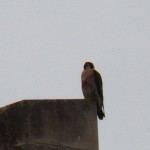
[99, 84]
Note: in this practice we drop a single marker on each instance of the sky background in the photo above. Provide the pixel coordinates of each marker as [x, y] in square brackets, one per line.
[44, 44]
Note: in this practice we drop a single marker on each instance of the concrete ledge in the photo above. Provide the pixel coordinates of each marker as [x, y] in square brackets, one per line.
[43, 146]
[49, 125]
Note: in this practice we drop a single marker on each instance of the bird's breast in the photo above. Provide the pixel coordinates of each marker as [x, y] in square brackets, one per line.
[87, 74]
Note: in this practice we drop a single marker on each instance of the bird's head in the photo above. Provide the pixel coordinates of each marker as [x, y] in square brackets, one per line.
[88, 65]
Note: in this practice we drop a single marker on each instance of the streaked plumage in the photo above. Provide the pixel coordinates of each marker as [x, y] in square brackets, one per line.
[92, 87]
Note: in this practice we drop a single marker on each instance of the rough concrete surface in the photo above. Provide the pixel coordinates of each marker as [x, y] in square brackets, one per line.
[49, 125]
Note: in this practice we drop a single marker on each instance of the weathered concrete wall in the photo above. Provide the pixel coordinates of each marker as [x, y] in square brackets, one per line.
[49, 125]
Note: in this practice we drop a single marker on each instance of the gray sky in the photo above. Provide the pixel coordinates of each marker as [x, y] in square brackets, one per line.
[44, 44]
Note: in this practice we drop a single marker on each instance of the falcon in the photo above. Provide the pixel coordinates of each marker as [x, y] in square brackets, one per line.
[92, 87]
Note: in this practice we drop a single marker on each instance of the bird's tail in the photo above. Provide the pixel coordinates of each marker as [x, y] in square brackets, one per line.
[100, 111]
[103, 109]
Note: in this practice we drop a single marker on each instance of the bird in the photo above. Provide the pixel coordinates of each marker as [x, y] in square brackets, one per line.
[92, 87]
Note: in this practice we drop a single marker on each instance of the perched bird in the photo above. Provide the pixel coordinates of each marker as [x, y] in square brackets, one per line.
[92, 87]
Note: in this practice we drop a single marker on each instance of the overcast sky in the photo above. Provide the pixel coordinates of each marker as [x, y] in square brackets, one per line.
[44, 44]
